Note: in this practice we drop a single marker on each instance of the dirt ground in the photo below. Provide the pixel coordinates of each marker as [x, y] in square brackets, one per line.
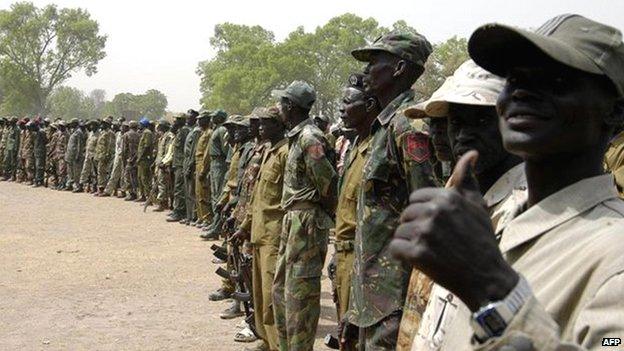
[85, 273]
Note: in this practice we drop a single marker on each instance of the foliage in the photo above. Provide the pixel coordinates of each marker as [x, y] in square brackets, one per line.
[40, 48]
[152, 104]
[249, 63]
[68, 103]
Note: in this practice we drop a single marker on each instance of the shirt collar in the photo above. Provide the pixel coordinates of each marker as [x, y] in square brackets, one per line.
[299, 127]
[386, 114]
[514, 178]
[556, 209]
[278, 145]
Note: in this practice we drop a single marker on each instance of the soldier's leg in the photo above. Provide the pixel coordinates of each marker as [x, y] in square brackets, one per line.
[383, 335]
[39, 170]
[62, 172]
[190, 198]
[85, 174]
[264, 262]
[30, 168]
[115, 176]
[201, 199]
[179, 202]
[344, 265]
[162, 194]
[142, 178]
[307, 246]
[277, 290]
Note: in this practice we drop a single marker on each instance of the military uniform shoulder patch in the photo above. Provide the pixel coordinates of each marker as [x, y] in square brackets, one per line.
[417, 147]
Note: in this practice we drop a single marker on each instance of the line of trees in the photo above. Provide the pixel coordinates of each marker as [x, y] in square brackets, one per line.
[249, 62]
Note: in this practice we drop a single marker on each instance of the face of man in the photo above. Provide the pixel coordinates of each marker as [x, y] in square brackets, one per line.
[240, 134]
[552, 109]
[124, 128]
[440, 140]
[270, 129]
[285, 108]
[191, 120]
[353, 109]
[379, 72]
[473, 127]
[204, 122]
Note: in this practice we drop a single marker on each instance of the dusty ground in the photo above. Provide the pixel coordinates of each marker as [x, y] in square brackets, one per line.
[85, 273]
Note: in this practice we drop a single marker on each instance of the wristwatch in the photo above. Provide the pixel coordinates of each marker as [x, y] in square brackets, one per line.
[492, 320]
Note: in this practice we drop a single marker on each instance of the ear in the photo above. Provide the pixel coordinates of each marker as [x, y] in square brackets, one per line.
[370, 104]
[399, 68]
[616, 117]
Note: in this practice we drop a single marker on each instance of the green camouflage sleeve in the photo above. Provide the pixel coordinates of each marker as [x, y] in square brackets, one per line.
[320, 170]
[414, 153]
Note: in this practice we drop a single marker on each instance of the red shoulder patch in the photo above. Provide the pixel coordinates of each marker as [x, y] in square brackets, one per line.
[417, 147]
[316, 151]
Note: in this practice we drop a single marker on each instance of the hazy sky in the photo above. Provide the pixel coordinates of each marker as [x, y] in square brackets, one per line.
[158, 44]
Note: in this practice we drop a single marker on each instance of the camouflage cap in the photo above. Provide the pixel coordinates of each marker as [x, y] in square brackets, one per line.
[219, 114]
[270, 113]
[183, 116]
[74, 121]
[205, 114]
[572, 40]
[237, 120]
[299, 92]
[408, 46]
[164, 122]
[469, 85]
[133, 124]
[192, 112]
[255, 114]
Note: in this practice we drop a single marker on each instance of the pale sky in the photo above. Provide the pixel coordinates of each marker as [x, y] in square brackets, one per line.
[158, 44]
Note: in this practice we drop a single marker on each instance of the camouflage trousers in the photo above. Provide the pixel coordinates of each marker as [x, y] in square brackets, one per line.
[130, 179]
[218, 168]
[116, 180]
[383, 335]
[74, 172]
[88, 171]
[9, 163]
[202, 198]
[263, 272]
[61, 170]
[179, 200]
[103, 172]
[297, 282]
[29, 167]
[164, 186]
[144, 173]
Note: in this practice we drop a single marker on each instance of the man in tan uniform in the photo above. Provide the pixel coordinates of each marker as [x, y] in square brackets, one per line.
[263, 223]
[554, 282]
[202, 171]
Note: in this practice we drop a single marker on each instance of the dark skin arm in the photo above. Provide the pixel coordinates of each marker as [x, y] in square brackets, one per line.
[447, 234]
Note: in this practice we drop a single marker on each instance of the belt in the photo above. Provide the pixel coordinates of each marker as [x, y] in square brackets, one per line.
[344, 245]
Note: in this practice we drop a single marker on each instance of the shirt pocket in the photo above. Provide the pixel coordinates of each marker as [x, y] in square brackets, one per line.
[271, 179]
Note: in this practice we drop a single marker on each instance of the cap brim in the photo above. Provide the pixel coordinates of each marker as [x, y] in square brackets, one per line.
[416, 111]
[364, 54]
[497, 48]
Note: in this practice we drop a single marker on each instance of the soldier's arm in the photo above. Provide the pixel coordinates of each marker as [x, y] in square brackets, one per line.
[320, 170]
[415, 158]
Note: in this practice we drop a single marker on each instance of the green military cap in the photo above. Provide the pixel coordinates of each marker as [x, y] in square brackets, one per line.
[181, 116]
[61, 123]
[408, 46]
[164, 122]
[205, 114]
[299, 92]
[107, 120]
[237, 120]
[270, 113]
[255, 113]
[74, 121]
[115, 123]
[219, 114]
[572, 40]
[133, 124]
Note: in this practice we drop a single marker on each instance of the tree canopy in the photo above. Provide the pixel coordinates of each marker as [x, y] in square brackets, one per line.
[40, 48]
[249, 62]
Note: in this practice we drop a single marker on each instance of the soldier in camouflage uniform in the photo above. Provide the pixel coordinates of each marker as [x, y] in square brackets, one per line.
[74, 155]
[11, 149]
[59, 154]
[163, 165]
[202, 168]
[3, 129]
[88, 173]
[188, 167]
[39, 151]
[218, 150]
[104, 153]
[130, 145]
[177, 161]
[115, 181]
[397, 163]
[27, 156]
[51, 165]
[308, 198]
[144, 160]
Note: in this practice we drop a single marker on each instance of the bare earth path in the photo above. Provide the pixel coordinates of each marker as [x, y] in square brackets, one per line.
[85, 273]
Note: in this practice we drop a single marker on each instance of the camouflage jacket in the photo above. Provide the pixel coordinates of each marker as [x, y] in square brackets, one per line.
[91, 143]
[146, 146]
[75, 145]
[248, 180]
[39, 144]
[398, 163]
[218, 148]
[178, 147]
[60, 146]
[189, 149]
[26, 144]
[105, 146]
[310, 175]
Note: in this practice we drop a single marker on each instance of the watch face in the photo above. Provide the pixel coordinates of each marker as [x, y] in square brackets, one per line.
[493, 322]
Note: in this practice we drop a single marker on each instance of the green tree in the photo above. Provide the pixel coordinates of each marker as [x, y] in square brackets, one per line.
[444, 60]
[152, 104]
[40, 48]
[68, 103]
